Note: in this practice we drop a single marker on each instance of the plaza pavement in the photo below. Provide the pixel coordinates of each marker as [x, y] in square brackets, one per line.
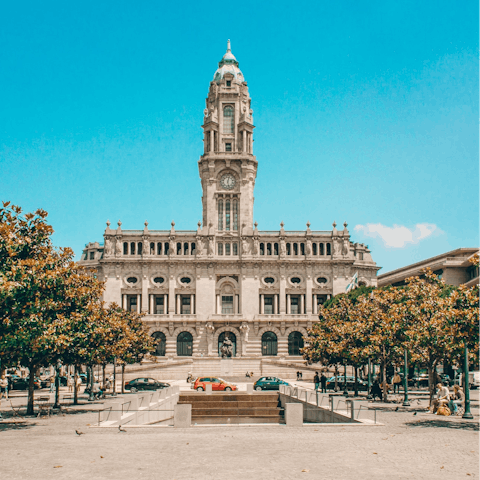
[421, 446]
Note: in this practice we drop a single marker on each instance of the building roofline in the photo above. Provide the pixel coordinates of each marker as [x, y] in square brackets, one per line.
[452, 253]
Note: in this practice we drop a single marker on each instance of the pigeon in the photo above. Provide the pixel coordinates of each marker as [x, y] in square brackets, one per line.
[397, 409]
[414, 413]
[79, 433]
[120, 429]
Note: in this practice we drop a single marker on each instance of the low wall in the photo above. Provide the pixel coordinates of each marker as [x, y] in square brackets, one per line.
[146, 408]
[322, 408]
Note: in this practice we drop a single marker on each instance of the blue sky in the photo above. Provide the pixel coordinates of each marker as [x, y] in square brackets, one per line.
[366, 111]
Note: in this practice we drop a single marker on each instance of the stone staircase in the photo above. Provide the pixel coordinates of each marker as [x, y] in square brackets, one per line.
[233, 407]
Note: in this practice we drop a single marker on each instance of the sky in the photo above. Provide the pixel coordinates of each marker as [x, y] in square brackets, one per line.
[365, 112]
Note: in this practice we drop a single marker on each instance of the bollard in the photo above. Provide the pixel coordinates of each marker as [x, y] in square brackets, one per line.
[182, 417]
[352, 410]
[208, 388]
[294, 414]
[250, 388]
[330, 399]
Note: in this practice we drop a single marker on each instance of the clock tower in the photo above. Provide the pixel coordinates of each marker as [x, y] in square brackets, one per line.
[228, 167]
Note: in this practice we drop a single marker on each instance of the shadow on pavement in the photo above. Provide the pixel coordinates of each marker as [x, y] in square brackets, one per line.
[19, 425]
[437, 423]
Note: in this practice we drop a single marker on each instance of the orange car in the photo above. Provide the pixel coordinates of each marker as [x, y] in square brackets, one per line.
[218, 384]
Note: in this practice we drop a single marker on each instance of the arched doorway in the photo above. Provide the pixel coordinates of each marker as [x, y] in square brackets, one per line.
[295, 343]
[269, 343]
[184, 344]
[160, 343]
[233, 339]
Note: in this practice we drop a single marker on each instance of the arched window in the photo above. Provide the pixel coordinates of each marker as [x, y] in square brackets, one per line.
[184, 344]
[295, 343]
[159, 248]
[227, 215]
[295, 248]
[314, 248]
[235, 215]
[193, 248]
[132, 248]
[322, 249]
[233, 339]
[179, 248]
[269, 343]
[140, 248]
[275, 249]
[166, 248]
[185, 248]
[289, 252]
[220, 214]
[152, 248]
[160, 342]
[262, 249]
[302, 248]
[269, 248]
[329, 249]
[125, 248]
[228, 120]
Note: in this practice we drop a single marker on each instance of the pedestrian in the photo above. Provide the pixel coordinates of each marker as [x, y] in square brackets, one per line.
[298, 376]
[52, 383]
[79, 382]
[301, 376]
[443, 397]
[70, 383]
[323, 382]
[316, 381]
[376, 391]
[108, 385]
[396, 380]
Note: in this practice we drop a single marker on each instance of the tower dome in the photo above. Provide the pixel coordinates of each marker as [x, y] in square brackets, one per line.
[228, 64]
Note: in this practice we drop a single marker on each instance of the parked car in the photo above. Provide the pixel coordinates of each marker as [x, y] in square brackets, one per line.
[361, 384]
[218, 384]
[474, 379]
[145, 384]
[269, 383]
[19, 383]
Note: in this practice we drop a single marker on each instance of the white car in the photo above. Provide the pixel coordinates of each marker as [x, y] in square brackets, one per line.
[474, 379]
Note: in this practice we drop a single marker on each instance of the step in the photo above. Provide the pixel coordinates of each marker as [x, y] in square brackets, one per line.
[235, 412]
[217, 404]
[227, 397]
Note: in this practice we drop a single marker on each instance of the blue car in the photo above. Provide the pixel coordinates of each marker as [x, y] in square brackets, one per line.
[269, 383]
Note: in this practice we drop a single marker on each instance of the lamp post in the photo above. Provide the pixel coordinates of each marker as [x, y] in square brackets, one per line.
[369, 384]
[57, 384]
[467, 414]
[405, 403]
[345, 391]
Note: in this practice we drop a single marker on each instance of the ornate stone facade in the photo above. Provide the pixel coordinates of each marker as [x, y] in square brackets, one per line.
[263, 287]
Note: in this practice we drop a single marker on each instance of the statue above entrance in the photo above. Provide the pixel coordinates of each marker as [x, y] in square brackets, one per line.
[227, 348]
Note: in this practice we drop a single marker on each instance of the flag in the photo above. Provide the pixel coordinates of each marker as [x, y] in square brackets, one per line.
[353, 284]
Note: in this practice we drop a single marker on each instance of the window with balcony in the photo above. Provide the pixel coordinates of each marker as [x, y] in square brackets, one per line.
[159, 305]
[220, 248]
[227, 215]
[235, 248]
[294, 305]
[220, 214]
[227, 249]
[268, 307]
[185, 305]
[228, 120]
[269, 344]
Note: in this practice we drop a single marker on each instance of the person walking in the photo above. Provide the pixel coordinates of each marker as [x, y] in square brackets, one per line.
[70, 383]
[323, 382]
[397, 381]
[316, 381]
[79, 383]
[298, 376]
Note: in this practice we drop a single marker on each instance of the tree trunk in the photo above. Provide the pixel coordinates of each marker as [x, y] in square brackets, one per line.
[57, 388]
[384, 380]
[123, 378]
[75, 387]
[31, 389]
[336, 378]
[103, 376]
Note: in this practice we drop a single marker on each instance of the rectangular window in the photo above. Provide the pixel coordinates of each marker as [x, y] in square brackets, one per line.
[132, 303]
[220, 214]
[227, 304]
[227, 215]
[92, 255]
[360, 256]
[228, 147]
[227, 249]
[220, 248]
[159, 305]
[235, 215]
[229, 83]
[268, 305]
[235, 248]
[185, 305]
[294, 305]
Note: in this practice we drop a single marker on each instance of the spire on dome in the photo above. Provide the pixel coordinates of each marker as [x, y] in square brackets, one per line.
[228, 46]
[229, 64]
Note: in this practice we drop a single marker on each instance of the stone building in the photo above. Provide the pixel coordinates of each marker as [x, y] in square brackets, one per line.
[454, 267]
[262, 288]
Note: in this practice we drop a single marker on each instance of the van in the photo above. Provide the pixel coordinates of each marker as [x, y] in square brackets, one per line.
[474, 379]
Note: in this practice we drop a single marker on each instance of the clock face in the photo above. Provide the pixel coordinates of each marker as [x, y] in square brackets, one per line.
[227, 182]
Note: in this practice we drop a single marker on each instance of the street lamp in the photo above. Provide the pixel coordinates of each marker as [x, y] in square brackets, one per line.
[467, 414]
[405, 381]
[345, 391]
[57, 384]
[369, 385]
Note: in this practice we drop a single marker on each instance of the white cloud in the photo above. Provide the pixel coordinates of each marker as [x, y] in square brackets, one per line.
[398, 236]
